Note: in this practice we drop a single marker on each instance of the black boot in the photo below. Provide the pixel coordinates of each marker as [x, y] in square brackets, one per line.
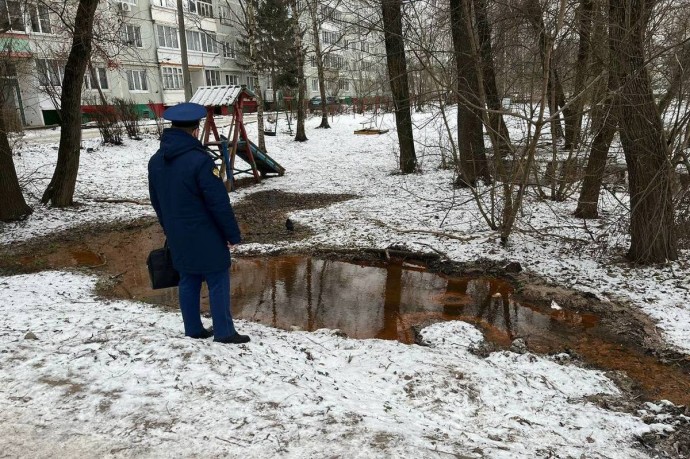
[206, 333]
[234, 339]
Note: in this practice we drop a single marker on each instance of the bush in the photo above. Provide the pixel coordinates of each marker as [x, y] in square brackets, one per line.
[107, 122]
[126, 111]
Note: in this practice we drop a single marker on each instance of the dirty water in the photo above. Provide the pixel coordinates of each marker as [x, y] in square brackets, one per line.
[379, 300]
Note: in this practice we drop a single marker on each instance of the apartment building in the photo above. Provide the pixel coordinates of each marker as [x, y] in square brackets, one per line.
[353, 50]
[141, 59]
[137, 55]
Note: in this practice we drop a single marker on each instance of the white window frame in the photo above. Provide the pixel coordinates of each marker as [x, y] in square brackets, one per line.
[233, 80]
[132, 36]
[200, 7]
[136, 80]
[229, 50]
[101, 79]
[314, 84]
[202, 41]
[50, 72]
[165, 3]
[16, 22]
[212, 77]
[39, 18]
[169, 37]
[172, 78]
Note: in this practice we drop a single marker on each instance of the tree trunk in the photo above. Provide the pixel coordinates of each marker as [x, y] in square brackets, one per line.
[318, 56]
[556, 97]
[588, 203]
[300, 133]
[493, 99]
[254, 68]
[60, 191]
[473, 163]
[12, 203]
[573, 119]
[653, 239]
[397, 72]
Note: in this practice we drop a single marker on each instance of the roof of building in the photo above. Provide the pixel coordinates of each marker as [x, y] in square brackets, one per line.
[212, 96]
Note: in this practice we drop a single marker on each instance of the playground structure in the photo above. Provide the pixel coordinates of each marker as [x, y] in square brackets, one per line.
[372, 126]
[226, 149]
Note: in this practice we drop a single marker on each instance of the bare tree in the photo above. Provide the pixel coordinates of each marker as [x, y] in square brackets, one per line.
[473, 163]
[12, 203]
[253, 58]
[319, 60]
[653, 238]
[397, 71]
[60, 191]
[298, 33]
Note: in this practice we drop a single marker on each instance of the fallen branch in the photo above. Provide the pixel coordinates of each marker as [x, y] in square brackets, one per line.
[231, 442]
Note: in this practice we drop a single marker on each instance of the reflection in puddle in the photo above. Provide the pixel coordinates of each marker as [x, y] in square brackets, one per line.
[85, 258]
[380, 302]
[386, 302]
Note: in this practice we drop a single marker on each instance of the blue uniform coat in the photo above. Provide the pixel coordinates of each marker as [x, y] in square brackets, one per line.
[192, 204]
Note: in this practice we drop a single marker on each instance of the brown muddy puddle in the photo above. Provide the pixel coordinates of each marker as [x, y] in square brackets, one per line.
[384, 300]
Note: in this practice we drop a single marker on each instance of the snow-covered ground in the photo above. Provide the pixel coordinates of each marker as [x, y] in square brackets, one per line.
[118, 379]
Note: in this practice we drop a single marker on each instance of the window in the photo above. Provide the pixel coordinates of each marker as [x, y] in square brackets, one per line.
[209, 43]
[314, 84]
[11, 17]
[136, 80]
[212, 77]
[344, 85]
[225, 14]
[167, 37]
[200, 41]
[312, 61]
[200, 7]
[95, 78]
[131, 35]
[332, 61]
[232, 80]
[229, 50]
[330, 38]
[50, 72]
[364, 46]
[252, 82]
[366, 65]
[331, 14]
[172, 78]
[40, 18]
[166, 3]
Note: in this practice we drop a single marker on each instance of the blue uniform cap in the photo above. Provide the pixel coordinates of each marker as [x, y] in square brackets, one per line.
[186, 114]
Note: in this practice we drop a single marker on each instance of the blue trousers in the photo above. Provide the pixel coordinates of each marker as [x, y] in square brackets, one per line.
[219, 297]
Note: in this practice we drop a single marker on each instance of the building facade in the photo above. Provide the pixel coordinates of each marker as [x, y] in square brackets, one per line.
[137, 55]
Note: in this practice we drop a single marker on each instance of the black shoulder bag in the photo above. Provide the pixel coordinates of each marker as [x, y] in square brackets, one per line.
[161, 270]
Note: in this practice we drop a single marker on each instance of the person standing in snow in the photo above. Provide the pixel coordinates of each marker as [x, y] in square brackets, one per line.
[194, 210]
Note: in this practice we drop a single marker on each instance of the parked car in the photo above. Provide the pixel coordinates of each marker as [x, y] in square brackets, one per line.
[315, 102]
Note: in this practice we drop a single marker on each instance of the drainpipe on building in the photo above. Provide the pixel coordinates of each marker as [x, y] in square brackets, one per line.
[183, 51]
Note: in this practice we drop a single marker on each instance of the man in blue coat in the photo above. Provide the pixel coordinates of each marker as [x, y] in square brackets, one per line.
[194, 210]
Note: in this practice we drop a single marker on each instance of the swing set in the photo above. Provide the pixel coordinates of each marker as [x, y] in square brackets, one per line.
[226, 149]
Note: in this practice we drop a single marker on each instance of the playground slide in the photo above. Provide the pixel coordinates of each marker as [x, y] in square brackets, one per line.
[264, 163]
